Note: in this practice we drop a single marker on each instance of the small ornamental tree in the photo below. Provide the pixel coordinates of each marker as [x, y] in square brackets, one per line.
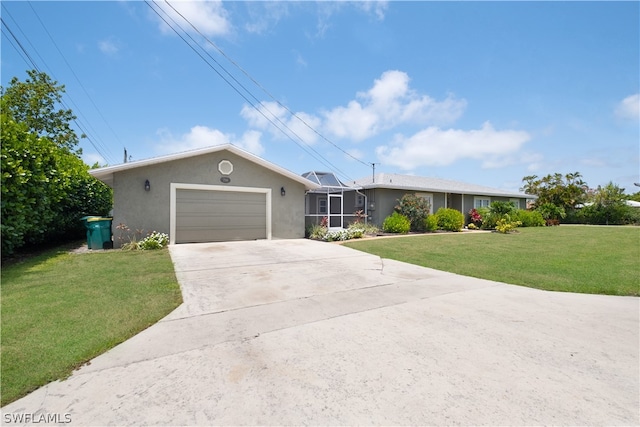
[415, 208]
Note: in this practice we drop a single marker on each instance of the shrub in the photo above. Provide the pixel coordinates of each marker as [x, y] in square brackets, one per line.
[506, 224]
[345, 234]
[396, 223]
[551, 213]
[363, 228]
[500, 209]
[488, 220]
[618, 214]
[317, 232]
[154, 240]
[475, 217]
[450, 219]
[431, 223]
[415, 208]
[529, 218]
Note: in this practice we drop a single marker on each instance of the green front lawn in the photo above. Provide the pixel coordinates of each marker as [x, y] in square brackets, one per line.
[596, 260]
[60, 310]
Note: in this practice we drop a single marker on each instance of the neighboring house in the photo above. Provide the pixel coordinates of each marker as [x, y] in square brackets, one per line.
[213, 194]
[376, 196]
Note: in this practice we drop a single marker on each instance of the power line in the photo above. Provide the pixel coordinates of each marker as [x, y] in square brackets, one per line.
[32, 63]
[264, 89]
[303, 146]
[79, 82]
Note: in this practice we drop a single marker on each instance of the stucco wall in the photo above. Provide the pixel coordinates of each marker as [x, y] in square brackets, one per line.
[150, 210]
[386, 199]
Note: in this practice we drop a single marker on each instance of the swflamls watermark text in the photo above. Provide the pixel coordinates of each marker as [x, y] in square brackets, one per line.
[36, 418]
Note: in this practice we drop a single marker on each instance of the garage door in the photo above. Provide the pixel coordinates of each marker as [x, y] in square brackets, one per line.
[218, 216]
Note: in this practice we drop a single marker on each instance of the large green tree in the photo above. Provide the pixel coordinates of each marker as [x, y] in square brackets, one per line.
[35, 104]
[46, 187]
[564, 191]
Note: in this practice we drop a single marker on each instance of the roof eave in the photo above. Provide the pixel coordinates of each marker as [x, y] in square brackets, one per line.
[440, 190]
[106, 174]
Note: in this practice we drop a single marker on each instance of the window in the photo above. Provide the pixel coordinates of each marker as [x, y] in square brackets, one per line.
[515, 202]
[322, 205]
[429, 198]
[481, 202]
[359, 201]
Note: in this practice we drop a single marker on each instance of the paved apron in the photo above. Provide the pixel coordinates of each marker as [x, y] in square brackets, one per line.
[303, 332]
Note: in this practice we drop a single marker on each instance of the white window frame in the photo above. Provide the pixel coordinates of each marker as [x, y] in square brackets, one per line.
[320, 210]
[429, 198]
[359, 201]
[478, 202]
[515, 202]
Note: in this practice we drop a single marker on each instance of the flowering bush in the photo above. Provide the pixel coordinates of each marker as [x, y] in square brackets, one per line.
[342, 235]
[415, 208]
[154, 240]
[475, 217]
[506, 225]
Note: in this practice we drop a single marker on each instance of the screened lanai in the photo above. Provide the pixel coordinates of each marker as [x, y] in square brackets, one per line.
[340, 204]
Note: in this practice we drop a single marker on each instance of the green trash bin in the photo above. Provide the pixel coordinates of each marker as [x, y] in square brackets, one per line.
[98, 232]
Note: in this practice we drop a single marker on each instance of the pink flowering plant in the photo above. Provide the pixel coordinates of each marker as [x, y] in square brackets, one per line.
[475, 217]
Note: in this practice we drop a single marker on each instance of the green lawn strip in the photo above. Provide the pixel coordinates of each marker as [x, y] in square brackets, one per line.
[598, 260]
[60, 310]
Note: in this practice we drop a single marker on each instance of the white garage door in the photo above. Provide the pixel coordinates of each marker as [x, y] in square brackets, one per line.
[218, 216]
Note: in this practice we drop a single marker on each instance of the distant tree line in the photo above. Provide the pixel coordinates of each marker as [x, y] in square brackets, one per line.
[46, 187]
[569, 199]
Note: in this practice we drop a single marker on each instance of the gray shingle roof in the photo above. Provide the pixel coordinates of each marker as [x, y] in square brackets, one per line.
[421, 183]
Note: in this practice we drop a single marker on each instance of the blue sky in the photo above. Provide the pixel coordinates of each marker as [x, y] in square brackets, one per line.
[472, 91]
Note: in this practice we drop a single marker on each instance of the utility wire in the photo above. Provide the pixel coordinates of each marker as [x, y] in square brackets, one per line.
[302, 145]
[32, 63]
[265, 90]
[104, 147]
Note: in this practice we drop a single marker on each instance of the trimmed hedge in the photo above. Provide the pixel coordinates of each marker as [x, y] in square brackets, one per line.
[450, 219]
[396, 223]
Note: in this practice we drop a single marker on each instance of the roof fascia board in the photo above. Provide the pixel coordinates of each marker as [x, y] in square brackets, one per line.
[106, 174]
[440, 190]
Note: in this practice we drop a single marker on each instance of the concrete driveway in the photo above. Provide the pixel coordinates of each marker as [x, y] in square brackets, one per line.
[301, 332]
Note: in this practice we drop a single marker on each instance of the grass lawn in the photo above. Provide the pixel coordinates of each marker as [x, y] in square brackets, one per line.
[597, 260]
[60, 310]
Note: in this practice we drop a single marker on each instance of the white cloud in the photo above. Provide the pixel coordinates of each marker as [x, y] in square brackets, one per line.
[377, 8]
[300, 61]
[284, 120]
[265, 15]
[210, 17]
[203, 136]
[436, 147]
[109, 47]
[326, 10]
[629, 108]
[389, 103]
